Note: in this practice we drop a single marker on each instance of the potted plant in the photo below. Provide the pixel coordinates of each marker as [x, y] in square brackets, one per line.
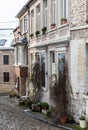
[28, 102]
[44, 29]
[53, 25]
[37, 33]
[44, 106]
[31, 35]
[49, 112]
[63, 20]
[21, 102]
[63, 119]
[82, 122]
[35, 107]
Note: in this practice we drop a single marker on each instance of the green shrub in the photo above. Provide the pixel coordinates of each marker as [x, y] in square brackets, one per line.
[44, 29]
[37, 33]
[49, 112]
[79, 128]
[27, 102]
[44, 105]
[31, 35]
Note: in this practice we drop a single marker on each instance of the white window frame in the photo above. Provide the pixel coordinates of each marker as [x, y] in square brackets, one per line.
[63, 8]
[45, 12]
[24, 24]
[32, 20]
[38, 19]
[53, 10]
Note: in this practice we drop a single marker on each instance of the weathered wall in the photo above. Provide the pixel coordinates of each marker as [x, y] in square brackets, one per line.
[78, 12]
[7, 86]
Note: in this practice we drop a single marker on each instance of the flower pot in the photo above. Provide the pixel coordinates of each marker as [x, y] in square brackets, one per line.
[63, 21]
[35, 107]
[44, 111]
[63, 120]
[53, 25]
[83, 123]
[21, 103]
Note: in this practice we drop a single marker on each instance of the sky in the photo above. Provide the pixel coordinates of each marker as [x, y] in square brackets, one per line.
[8, 11]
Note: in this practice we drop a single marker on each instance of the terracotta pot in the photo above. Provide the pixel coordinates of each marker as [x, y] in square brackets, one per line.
[63, 120]
[63, 21]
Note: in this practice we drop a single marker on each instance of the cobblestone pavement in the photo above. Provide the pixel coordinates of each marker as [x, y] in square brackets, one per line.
[12, 118]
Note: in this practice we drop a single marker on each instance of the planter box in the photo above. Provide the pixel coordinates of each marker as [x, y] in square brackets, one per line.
[53, 26]
[83, 123]
[63, 21]
[21, 103]
[44, 111]
[35, 107]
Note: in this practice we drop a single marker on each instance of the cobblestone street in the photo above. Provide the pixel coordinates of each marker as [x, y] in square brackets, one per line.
[12, 118]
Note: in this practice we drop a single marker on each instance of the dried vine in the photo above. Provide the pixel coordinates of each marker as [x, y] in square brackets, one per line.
[36, 80]
[59, 93]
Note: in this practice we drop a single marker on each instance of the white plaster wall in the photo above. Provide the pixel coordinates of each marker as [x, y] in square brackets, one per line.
[78, 76]
[78, 62]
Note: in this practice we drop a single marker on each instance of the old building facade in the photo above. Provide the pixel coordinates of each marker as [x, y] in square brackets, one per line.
[63, 44]
[21, 52]
[7, 77]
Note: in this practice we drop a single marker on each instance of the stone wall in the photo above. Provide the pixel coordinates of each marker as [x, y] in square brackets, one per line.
[78, 12]
[79, 34]
[78, 76]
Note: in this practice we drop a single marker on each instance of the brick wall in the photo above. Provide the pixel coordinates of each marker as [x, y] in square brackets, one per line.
[5, 87]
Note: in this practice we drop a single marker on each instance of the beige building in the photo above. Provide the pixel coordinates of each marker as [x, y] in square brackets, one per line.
[7, 77]
[52, 45]
[63, 45]
[21, 52]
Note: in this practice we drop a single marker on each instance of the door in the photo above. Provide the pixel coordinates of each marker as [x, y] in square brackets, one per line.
[43, 68]
[61, 69]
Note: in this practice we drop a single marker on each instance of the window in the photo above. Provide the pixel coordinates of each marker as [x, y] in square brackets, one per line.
[6, 76]
[32, 21]
[53, 56]
[6, 59]
[63, 8]
[32, 57]
[21, 25]
[24, 24]
[53, 10]
[43, 69]
[38, 21]
[44, 12]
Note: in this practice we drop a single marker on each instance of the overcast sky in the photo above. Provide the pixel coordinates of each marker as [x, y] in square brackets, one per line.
[8, 11]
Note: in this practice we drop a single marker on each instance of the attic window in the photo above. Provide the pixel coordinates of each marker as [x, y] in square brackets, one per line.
[2, 42]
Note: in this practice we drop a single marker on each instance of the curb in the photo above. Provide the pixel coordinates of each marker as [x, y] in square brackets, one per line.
[42, 119]
[51, 123]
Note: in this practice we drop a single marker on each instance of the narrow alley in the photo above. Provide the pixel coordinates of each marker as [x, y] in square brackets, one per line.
[12, 118]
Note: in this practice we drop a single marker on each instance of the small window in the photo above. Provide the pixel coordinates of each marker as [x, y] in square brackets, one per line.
[31, 56]
[6, 76]
[6, 59]
[53, 56]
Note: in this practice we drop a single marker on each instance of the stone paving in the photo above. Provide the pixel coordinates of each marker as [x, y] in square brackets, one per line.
[12, 118]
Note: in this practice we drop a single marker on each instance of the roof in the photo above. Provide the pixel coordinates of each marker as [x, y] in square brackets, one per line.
[23, 41]
[6, 40]
[23, 9]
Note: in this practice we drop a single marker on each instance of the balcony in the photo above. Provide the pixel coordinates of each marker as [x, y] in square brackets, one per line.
[52, 36]
[21, 71]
